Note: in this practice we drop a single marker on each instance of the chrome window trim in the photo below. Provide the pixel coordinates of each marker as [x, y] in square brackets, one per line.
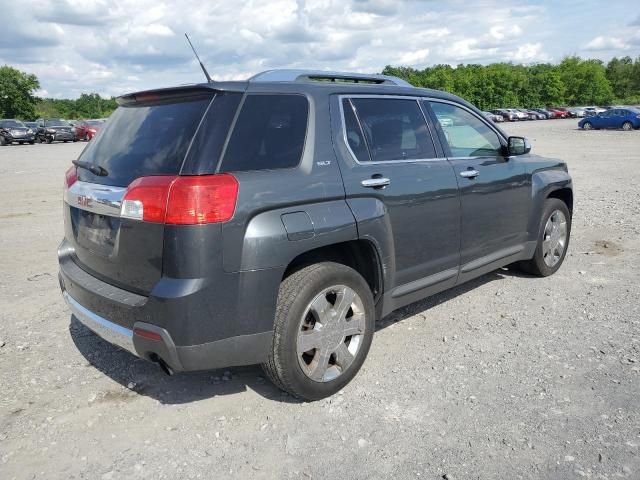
[384, 162]
[96, 198]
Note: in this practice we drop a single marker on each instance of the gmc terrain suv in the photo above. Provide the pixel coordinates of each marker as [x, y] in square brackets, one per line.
[274, 220]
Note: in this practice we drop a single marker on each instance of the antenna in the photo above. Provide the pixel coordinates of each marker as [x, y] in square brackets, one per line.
[206, 74]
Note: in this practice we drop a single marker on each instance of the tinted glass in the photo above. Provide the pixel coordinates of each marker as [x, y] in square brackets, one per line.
[269, 133]
[207, 146]
[11, 124]
[395, 129]
[354, 133]
[466, 134]
[144, 140]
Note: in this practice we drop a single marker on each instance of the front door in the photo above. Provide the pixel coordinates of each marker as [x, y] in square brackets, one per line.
[392, 170]
[494, 188]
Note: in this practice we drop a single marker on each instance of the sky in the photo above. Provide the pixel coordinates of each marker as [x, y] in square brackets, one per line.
[113, 47]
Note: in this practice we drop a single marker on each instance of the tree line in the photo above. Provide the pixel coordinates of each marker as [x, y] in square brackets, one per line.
[18, 100]
[572, 82]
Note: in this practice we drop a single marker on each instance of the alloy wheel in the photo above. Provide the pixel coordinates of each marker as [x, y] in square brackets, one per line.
[331, 333]
[554, 239]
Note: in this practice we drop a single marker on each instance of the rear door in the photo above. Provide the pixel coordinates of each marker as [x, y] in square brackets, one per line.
[140, 139]
[391, 164]
[494, 188]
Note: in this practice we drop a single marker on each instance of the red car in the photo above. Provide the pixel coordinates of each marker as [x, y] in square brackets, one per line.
[559, 113]
[87, 129]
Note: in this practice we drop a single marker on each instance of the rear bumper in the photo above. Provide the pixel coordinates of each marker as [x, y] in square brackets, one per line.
[117, 316]
[228, 352]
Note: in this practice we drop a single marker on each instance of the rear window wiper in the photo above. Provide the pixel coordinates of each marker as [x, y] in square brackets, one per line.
[95, 169]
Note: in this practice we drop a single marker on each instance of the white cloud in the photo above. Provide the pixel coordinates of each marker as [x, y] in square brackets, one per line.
[115, 46]
[529, 52]
[414, 58]
[607, 43]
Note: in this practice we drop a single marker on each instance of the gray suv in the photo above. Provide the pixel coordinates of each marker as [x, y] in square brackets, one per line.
[272, 221]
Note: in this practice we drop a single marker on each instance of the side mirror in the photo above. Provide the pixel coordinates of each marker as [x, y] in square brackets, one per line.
[518, 146]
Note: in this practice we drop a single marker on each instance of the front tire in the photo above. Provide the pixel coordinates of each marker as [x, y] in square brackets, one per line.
[627, 126]
[587, 126]
[325, 318]
[553, 239]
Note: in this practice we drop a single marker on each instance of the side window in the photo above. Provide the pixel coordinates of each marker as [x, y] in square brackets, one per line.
[395, 129]
[466, 134]
[269, 133]
[354, 134]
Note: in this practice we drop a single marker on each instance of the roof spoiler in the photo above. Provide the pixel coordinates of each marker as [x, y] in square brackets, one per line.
[165, 95]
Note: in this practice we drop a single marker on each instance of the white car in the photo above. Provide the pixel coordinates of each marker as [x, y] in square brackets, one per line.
[519, 115]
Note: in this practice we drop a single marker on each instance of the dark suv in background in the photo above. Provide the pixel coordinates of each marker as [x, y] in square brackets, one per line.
[274, 220]
[54, 130]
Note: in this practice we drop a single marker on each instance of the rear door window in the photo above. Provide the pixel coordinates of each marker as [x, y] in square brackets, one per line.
[269, 133]
[394, 129]
[146, 139]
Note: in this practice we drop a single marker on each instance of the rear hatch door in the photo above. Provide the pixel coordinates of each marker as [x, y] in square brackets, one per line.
[147, 135]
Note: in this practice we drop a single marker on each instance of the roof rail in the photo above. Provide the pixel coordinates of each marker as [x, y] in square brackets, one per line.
[291, 75]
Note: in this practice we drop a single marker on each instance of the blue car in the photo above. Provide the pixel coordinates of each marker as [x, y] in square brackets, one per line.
[626, 118]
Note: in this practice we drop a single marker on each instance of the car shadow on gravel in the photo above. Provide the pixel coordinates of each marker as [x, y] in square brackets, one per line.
[146, 378]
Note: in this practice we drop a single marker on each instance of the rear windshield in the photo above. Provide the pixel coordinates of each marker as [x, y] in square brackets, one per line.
[140, 140]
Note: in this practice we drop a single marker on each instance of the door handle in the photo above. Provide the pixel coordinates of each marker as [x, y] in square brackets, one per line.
[375, 182]
[471, 173]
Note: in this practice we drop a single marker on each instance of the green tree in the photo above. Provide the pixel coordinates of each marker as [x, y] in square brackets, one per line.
[16, 93]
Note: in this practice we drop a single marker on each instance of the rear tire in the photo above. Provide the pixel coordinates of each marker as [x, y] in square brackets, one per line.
[49, 140]
[3, 141]
[338, 335]
[553, 240]
[627, 126]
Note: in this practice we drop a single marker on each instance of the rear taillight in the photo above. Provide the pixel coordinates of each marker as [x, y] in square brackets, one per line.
[181, 200]
[70, 176]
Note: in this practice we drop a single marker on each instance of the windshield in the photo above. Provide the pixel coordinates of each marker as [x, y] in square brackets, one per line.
[11, 124]
[145, 139]
[95, 122]
[56, 122]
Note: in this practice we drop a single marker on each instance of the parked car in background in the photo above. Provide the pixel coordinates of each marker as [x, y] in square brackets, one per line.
[536, 115]
[54, 130]
[558, 113]
[505, 114]
[493, 116]
[576, 112]
[625, 118]
[547, 114]
[87, 129]
[12, 130]
[519, 114]
[590, 111]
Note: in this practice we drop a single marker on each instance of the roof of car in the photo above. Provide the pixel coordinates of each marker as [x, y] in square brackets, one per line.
[339, 82]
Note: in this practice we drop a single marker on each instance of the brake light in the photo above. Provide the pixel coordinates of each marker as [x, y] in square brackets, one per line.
[181, 200]
[70, 176]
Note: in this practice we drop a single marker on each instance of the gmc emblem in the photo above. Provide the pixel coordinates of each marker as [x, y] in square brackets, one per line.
[84, 201]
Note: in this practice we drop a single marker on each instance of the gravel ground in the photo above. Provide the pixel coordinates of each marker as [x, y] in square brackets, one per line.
[505, 377]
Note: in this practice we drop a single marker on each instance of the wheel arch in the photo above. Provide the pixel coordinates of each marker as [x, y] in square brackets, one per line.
[361, 255]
